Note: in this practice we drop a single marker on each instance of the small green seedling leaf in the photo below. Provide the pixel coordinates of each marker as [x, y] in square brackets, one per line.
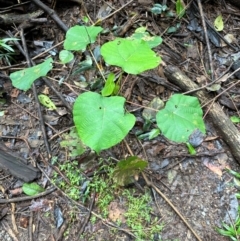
[149, 135]
[78, 37]
[180, 117]
[141, 34]
[153, 133]
[23, 79]
[32, 189]
[66, 56]
[109, 85]
[117, 85]
[101, 122]
[85, 19]
[191, 149]
[158, 8]
[236, 182]
[235, 119]
[174, 29]
[236, 174]
[237, 195]
[46, 101]
[133, 56]
[8, 39]
[5, 46]
[126, 169]
[218, 23]
[180, 8]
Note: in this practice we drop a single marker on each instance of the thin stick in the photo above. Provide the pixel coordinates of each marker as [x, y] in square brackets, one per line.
[26, 198]
[41, 121]
[206, 38]
[110, 15]
[150, 184]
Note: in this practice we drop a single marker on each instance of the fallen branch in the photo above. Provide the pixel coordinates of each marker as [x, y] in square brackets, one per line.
[11, 18]
[26, 198]
[228, 132]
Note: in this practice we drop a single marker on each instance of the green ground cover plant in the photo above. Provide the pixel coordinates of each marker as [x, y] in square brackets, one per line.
[100, 118]
[102, 121]
[138, 215]
[137, 208]
[75, 178]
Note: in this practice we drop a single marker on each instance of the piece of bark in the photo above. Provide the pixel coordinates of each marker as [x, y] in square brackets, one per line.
[228, 132]
[17, 166]
[12, 18]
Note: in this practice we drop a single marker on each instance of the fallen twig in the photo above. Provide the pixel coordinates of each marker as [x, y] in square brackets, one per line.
[206, 39]
[150, 184]
[21, 199]
[52, 14]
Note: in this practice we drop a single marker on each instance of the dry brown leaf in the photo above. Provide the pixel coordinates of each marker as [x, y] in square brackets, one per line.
[116, 212]
[217, 169]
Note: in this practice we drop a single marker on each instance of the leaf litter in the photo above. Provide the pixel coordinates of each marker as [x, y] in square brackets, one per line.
[193, 187]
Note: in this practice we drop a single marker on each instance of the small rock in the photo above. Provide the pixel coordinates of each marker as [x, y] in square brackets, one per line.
[156, 104]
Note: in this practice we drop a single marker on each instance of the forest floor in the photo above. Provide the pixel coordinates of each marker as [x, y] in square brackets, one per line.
[81, 201]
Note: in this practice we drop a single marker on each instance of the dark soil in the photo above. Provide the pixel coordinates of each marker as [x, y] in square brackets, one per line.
[198, 186]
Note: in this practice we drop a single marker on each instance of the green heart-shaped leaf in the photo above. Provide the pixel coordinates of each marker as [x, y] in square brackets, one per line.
[180, 117]
[133, 56]
[101, 122]
[78, 37]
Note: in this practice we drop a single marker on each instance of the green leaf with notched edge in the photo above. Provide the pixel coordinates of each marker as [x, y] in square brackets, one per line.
[191, 149]
[133, 56]
[127, 169]
[23, 79]
[180, 117]
[32, 189]
[101, 122]
[78, 37]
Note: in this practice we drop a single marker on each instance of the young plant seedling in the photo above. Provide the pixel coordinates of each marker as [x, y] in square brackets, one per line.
[6, 51]
[101, 121]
